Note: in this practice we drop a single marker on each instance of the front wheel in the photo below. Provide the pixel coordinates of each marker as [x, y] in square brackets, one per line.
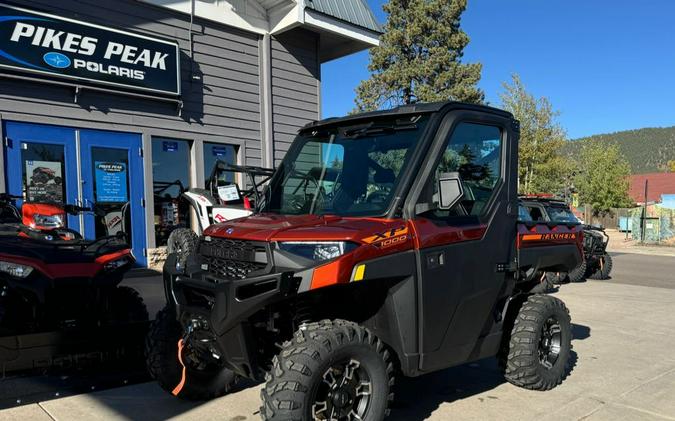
[330, 370]
[540, 344]
[185, 377]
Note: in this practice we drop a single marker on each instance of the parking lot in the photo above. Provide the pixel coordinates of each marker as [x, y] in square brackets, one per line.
[624, 368]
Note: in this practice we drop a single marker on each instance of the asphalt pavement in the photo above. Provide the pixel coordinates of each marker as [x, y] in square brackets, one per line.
[643, 269]
[624, 367]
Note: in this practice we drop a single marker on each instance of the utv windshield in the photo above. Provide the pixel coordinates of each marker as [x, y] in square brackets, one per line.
[345, 171]
[561, 214]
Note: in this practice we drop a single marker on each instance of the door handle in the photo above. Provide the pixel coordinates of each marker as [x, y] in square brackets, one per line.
[435, 260]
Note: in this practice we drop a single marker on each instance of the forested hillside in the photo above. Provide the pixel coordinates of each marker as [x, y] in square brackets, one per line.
[647, 150]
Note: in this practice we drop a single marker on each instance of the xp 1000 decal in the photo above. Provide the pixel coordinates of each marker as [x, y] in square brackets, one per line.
[50, 45]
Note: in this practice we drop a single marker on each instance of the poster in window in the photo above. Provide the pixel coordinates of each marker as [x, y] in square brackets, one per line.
[44, 182]
[169, 146]
[111, 182]
[219, 151]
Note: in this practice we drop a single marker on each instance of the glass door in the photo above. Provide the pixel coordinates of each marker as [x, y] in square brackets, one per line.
[41, 165]
[112, 183]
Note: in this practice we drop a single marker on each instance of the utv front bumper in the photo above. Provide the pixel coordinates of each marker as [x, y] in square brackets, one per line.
[217, 310]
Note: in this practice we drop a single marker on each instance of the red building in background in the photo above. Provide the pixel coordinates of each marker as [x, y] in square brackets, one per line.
[659, 184]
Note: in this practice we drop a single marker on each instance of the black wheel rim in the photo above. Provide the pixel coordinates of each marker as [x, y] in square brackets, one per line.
[549, 344]
[344, 393]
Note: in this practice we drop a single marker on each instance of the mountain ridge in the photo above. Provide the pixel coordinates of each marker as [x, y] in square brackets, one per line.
[647, 149]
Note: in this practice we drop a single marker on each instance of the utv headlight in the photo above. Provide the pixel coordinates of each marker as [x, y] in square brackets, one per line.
[48, 221]
[15, 269]
[317, 250]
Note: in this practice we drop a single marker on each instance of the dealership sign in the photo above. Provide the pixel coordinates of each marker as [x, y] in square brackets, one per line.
[65, 48]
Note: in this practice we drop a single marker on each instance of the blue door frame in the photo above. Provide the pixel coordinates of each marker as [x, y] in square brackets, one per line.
[20, 133]
[131, 143]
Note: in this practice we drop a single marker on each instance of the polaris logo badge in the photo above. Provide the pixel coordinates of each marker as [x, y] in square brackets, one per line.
[58, 60]
[229, 231]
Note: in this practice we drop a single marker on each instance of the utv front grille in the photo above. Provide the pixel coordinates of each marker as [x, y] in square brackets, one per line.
[234, 259]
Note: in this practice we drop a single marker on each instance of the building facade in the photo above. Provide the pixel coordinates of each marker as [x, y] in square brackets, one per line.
[124, 103]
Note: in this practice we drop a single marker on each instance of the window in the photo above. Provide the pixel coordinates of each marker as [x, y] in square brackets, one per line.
[218, 151]
[561, 214]
[171, 176]
[346, 171]
[536, 214]
[524, 214]
[473, 153]
[111, 191]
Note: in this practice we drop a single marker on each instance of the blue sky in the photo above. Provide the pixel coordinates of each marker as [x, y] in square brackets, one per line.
[606, 65]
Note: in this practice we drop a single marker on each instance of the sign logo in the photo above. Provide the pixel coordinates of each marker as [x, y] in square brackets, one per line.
[549, 236]
[36, 42]
[388, 238]
[57, 60]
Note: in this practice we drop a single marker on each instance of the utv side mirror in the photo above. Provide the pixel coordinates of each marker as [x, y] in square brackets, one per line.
[450, 190]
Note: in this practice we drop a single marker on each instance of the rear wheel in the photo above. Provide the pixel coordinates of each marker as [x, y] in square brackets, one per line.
[603, 268]
[538, 351]
[330, 370]
[578, 273]
[206, 381]
[182, 242]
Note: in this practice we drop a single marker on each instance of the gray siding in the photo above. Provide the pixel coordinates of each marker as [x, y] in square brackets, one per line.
[223, 106]
[295, 85]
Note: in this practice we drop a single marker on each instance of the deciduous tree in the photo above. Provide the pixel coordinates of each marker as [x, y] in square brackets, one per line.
[541, 167]
[602, 180]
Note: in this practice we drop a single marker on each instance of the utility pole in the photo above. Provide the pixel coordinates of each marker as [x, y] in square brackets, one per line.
[643, 220]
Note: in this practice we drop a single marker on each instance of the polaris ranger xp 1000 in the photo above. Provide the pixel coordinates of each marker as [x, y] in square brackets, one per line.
[385, 244]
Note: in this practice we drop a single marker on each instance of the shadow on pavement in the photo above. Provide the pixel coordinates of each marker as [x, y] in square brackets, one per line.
[417, 398]
[580, 332]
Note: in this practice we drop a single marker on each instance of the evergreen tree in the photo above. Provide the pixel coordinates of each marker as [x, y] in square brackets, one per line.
[541, 167]
[419, 57]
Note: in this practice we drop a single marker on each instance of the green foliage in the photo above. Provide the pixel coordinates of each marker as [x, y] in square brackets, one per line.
[392, 159]
[541, 168]
[647, 150]
[671, 165]
[602, 180]
[419, 57]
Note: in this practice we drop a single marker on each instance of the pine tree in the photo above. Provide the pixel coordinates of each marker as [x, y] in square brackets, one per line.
[419, 57]
[541, 168]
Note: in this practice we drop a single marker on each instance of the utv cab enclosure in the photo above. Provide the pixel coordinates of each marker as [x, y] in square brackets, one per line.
[385, 243]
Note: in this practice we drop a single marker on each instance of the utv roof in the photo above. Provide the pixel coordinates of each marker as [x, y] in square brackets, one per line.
[406, 109]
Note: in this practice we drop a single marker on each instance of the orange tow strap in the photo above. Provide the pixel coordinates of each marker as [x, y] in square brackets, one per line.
[178, 388]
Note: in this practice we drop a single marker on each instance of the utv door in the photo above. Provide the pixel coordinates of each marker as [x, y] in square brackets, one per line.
[461, 250]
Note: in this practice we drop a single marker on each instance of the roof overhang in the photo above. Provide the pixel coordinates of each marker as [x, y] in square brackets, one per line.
[338, 37]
